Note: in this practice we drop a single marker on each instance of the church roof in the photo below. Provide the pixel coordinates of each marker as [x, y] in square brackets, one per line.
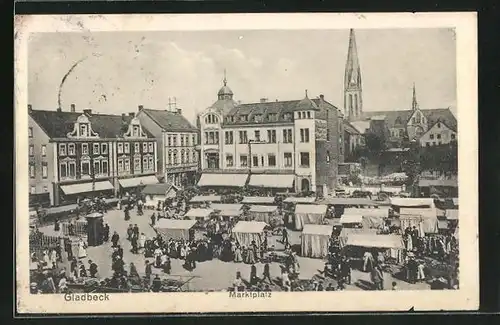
[400, 118]
[58, 124]
[348, 127]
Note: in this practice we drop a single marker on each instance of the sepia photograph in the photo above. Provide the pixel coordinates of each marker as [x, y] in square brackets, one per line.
[246, 165]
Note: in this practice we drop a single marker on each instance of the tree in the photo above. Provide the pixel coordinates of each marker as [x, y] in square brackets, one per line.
[374, 143]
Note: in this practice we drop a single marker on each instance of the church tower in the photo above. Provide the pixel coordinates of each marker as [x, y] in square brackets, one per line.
[353, 99]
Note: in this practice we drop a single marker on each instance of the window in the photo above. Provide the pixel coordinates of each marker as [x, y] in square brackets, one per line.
[71, 149]
[257, 135]
[83, 130]
[175, 157]
[413, 120]
[33, 190]
[308, 114]
[257, 118]
[271, 160]
[144, 147]
[151, 147]
[137, 147]
[62, 149]
[255, 162]
[137, 164]
[453, 136]
[327, 157]
[194, 156]
[169, 158]
[182, 141]
[120, 165]
[151, 163]
[97, 167]
[30, 132]
[211, 137]
[243, 137]
[32, 171]
[104, 148]
[229, 160]
[216, 137]
[85, 167]
[287, 136]
[135, 131]
[244, 118]
[104, 167]
[438, 136]
[120, 147]
[72, 169]
[427, 144]
[431, 136]
[288, 159]
[304, 135]
[271, 136]
[304, 159]
[439, 125]
[126, 147]
[126, 163]
[228, 135]
[194, 140]
[45, 170]
[85, 149]
[145, 163]
[169, 141]
[44, 150]
[174, 140]
[95, 148]
[262, 161]
[243, 160]
[182, 156]
[272, 117]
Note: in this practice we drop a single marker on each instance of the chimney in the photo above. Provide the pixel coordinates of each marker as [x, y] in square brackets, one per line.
[132, 115]
[179, 111]
[141, 107]
[322, 97]
[72, 108]
[263, 100]
[87, 111]
[30, 108]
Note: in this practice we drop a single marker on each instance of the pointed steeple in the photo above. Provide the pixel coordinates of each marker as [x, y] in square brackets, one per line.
[353, 101]
[414, 103]
[225, 79]
[352, 70]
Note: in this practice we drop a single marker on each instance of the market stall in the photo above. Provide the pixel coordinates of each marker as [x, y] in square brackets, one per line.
[175, 229]
[199, 214]
[398, 203]
[205, 199]
[247, 231]
[227, 211]
[346, 232]
[351, 220]
[392, 244]
[300, 200]
[315, 240]
[260, 200]
[372, 218]
[424, 220]
[309, 214]
[262, 212]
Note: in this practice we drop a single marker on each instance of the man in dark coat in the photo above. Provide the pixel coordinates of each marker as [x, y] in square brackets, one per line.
[68, 248]
[136, 230]
[253, 275]
[156, 285]
[285, 237]
[267, 273]
[115, 238]
[105, 232]
[92, 269]
[153, 219]
[120, 251]
[135, 247]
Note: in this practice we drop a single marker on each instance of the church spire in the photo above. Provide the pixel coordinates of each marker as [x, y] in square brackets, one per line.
[414, 103]
[353, 102]
[225, 79]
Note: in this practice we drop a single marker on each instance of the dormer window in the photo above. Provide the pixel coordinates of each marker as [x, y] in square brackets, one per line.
[135, 133]
[134, 130]
[211, 119]
[257, 118]
[244, 118]
[272, 117]
[83, 130]
[308, 114]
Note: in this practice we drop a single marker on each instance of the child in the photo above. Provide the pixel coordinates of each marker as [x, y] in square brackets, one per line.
[394, 286]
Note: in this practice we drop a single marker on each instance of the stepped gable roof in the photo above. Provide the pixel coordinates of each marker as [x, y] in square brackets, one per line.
[58, 124]
[400, 118]
[170, 121]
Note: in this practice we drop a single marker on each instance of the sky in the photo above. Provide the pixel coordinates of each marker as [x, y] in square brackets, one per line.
[120, 70]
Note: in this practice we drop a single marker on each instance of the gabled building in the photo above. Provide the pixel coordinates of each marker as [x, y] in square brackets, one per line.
[177, 142]
[290, 145]
[77, 154]
[400, 125]
[438, 134]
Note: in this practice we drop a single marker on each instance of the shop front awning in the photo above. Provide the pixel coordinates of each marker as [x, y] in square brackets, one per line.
[86, 187]
[272, 181]
[226, 180]
[138, 181]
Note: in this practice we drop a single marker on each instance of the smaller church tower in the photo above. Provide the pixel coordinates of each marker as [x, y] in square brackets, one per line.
[353, 99]
[414, 103]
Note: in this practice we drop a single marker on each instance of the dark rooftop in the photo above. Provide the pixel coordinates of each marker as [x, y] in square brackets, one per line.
[170, 121]
[400, 118]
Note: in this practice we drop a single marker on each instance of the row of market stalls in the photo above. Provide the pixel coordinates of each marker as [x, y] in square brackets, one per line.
[269, 181]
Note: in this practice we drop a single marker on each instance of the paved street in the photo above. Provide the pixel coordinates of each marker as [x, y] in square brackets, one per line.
[215, 274]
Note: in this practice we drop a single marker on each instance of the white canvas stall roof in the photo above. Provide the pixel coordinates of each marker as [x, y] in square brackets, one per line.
[324, 230]
[351, 218]
[423, 212]
[226, 206]
[345, 232]
[272, 181]
[455, 201]
[412, 202]
[205, 198]
[349, 201]
[263, 208]
[86, 187]
[299, 200]
[199, 213]
[258, 200]
[384, 213]
[311, 208]
[379, 241]
[249, 227]
[94, 215]
[136, 181]
[451, 214]
[175, 224]
[233, 180]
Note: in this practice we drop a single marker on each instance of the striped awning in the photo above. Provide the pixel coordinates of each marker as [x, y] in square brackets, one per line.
[86, 187]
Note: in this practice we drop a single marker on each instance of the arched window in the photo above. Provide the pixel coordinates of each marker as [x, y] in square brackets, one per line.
[194, 156]
[182, 156]
[174, 160]
[170, 157]
[350, 105]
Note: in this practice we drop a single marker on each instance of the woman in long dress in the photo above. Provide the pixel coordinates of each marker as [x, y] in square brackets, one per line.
[250, 256]
[47, 261]
[237, 254]
[82, 246]
[53, 258]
